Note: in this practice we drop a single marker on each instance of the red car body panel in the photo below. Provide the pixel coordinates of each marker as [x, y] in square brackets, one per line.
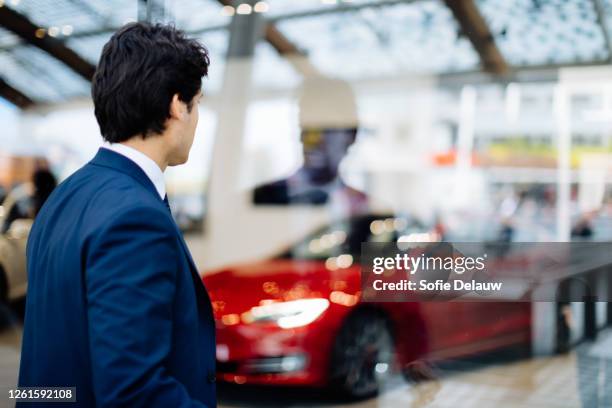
[432, 330]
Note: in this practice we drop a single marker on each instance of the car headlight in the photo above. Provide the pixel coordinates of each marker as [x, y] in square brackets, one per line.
[294, 313]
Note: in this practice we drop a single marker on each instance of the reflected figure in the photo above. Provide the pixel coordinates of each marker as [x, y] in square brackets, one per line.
[329, 126]
[44, 183]
[506, 231]
[583, 228]
[26, 199]
[508, 209]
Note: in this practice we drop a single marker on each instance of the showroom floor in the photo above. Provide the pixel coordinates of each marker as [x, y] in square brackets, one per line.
[540, 382]
[546, 382]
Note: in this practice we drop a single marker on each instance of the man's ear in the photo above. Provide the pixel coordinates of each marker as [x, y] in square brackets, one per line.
[178, 108]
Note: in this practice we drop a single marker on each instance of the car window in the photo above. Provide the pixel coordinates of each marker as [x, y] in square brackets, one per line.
[327, 242]
[345, 237]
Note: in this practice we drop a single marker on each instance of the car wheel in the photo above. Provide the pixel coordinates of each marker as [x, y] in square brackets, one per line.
[364, 355]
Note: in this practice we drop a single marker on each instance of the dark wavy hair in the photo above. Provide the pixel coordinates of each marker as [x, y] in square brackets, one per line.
[141, 68]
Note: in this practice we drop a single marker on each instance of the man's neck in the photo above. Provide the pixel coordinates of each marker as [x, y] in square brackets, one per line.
[151, 147]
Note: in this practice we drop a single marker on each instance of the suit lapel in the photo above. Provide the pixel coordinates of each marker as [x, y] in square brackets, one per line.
[201, 292]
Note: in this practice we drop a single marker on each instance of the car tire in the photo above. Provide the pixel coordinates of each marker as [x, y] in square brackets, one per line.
[363, 356]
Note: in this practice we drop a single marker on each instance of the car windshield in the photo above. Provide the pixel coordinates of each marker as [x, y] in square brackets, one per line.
[346, 236]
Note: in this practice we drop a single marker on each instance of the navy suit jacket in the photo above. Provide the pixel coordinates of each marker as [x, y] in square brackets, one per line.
[115, 305]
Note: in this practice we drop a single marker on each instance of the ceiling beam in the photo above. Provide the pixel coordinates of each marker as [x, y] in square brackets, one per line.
[110, 30]
[279, 42]
[286, 48]
[474, 26]
[600, 14]
[14, 96]
[25, 29]
[283, 46]
[340, 8]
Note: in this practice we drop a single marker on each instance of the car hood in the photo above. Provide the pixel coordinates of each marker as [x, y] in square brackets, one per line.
[237, 289]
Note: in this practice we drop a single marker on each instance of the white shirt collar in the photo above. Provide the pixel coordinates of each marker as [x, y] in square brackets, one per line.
[150, 168]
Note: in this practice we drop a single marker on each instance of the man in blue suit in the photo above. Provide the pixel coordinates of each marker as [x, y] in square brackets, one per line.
[115, 305]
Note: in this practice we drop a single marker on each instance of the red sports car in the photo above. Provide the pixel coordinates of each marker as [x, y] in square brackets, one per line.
[298, 319]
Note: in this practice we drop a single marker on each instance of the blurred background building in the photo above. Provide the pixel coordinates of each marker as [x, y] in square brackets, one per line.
[490, 102]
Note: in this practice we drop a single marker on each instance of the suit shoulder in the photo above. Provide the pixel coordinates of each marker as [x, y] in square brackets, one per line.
[142, 213]
[106, 195]
[92, 179]
[106, 184]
